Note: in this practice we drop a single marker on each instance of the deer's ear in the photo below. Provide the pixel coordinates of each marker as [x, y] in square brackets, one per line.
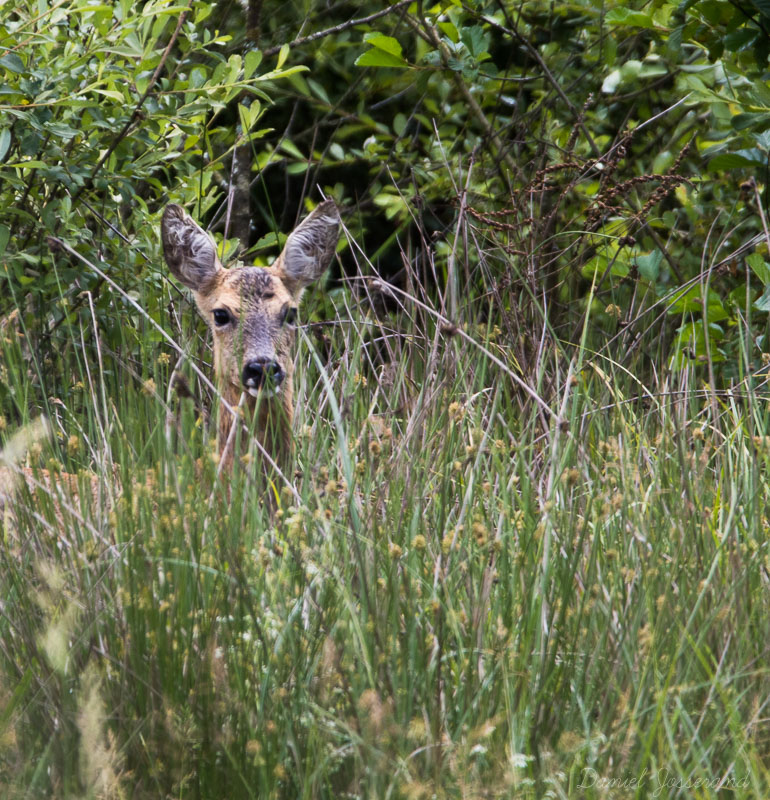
[189, 251]
[309, 248]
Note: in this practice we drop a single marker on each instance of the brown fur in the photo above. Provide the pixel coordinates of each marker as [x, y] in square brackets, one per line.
[257, 301]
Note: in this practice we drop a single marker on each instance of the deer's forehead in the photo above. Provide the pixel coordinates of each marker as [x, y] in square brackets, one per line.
[245, 287]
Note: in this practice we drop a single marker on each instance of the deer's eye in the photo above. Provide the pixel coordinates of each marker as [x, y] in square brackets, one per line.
[221, 317]
[291, 316]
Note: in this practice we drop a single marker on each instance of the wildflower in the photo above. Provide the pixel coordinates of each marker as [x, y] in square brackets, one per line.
[294, 527]
[419, 542]
[395, 551]
[571, 476]
[417, 730]
[376, 711]
[148, 387]
[480, 531]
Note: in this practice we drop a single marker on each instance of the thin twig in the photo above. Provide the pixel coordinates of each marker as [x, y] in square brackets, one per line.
[389, 287]
[533, 51]
[343, 26]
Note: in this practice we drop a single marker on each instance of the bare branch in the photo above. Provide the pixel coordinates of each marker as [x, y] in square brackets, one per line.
[343, 26]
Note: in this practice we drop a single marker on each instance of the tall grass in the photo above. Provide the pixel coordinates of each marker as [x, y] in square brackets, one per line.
[474, 591]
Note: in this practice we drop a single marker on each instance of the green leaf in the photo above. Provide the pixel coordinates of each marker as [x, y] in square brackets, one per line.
[625, 16]
[251, 61]
[739, 39]
[111, 93]
[379, 58]
[598, 266]
[289, 147]
[318, 90]
[12, 63]
[763, 303]
[61, 130]
[612, 81]
[649, 265]
[759, 267]
[5, 142]
[234, 64]
[254, 135]
[283, 54]
[276, 74]
[386, 43]
[631, 70]
[674, 43]
[727, 161]
[243, 113]
[32, 164]
[749, 120]
[450, 30]
[474, 38]
[5, 234]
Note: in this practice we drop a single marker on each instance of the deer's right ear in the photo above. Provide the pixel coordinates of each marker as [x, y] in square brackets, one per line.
[189, 251]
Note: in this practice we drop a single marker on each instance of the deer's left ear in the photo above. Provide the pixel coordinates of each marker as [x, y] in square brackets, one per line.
[309, 248]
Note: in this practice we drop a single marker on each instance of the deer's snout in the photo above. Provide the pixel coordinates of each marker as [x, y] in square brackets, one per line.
[262, 371]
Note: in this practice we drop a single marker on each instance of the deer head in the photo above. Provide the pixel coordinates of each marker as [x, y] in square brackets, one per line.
[251, 312]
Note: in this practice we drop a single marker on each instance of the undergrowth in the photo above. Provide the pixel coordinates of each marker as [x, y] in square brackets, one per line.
[470, 589]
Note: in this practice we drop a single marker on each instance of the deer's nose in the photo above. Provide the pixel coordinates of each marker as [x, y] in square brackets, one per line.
[260, 371]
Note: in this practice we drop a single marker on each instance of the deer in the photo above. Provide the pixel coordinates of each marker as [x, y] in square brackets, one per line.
[251, 313]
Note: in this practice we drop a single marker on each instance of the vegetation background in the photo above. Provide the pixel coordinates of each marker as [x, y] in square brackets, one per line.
[525, 552]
